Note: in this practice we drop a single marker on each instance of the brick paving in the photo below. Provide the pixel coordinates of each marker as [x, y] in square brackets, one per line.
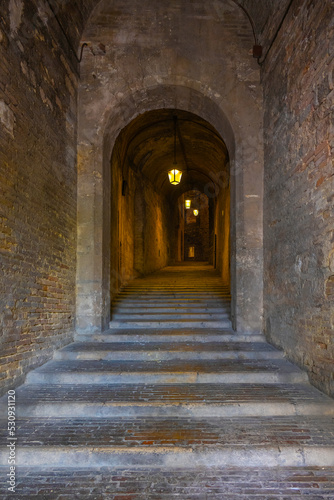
[181, 432]
[178, 366]
[173, 393]
[307, 483]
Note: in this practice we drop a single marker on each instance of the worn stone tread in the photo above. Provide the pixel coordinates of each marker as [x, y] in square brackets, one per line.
[198, 400]
[179, 346]
[172, 393]
[181, 366]
[166, 351]
[181, 432]
[302, 483]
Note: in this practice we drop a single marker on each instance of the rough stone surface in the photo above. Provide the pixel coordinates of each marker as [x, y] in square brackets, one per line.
[299, 185]
[134, 65]
[316, 483]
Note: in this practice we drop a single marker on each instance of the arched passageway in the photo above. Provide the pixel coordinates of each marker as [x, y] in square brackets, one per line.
[150, 227]
[224, 92]
[131, 70]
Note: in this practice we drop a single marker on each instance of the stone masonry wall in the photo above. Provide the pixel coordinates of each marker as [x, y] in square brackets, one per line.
[139, 226]
[298, 76]
[192, 56]
[37, 188]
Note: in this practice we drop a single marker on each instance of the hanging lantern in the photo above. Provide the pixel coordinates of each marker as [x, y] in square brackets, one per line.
[195, 212]
[187, 203]
[174, 174]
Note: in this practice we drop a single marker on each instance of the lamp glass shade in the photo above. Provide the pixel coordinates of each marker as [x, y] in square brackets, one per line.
[195, 212]
[175, 176]
[187, 203]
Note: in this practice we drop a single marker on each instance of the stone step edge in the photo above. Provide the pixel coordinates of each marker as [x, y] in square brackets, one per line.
[105, 409]
[129, 317]
[157, 355]
[170, 309]
[137, 335]
[169, 324]
[163, 378]
[157, 456]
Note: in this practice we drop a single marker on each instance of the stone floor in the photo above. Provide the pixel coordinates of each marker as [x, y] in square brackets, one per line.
[160, 484]
[166, 408]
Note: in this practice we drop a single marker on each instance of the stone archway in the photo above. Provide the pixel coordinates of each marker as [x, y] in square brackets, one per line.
[201, 65]
[94, 196]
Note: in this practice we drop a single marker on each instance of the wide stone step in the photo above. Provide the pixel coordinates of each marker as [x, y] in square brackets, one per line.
[170, 372]
[156, 400]
[147, 351]
[192, 294]
[172, 302]
[167, 309]
[177, 442]
[209, 483]
[169, 316]
[168, 335]
[170, 323]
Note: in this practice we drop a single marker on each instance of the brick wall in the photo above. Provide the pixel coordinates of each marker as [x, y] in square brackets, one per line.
[299, 186]
[37, 188]
[140, 223]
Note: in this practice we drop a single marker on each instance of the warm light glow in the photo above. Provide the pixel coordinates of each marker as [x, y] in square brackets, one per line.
[175, 176]
[195, 213]
[187, 203]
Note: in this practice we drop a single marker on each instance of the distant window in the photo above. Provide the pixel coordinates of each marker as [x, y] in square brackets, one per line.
[191, 252]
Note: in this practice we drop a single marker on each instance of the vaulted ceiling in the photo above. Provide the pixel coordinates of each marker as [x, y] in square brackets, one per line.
[74, 14]
[147, 146]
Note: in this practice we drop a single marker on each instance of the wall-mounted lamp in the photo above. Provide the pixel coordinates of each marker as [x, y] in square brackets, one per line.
[195, 212]
[174, 174]
[187, 203]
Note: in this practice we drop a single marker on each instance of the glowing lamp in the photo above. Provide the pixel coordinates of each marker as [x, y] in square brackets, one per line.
[187, 203]
[174, 176]
[195, 212]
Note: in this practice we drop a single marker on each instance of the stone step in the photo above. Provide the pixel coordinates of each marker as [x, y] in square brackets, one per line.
[173, 324]
[197, 288]
[150, 400]
[167, 309]
[147, 351]
[160, 335]
[204, 483]
[175, 302]
[177, 442]
[169, 316]
[166, 372]
[172, 295]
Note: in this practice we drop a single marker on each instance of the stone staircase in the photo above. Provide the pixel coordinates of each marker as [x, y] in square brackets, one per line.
[174, 298]
[156, 409]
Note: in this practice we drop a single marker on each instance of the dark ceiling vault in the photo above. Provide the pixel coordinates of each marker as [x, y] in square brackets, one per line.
[147, 146]
[74, 14]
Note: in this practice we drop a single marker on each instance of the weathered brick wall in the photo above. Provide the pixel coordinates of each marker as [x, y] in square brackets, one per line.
[299, 186]
[37, 188]
[140, 224]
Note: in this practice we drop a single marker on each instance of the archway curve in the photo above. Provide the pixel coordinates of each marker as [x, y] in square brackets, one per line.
[96, 291]
[127, 110]
[165, 97]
